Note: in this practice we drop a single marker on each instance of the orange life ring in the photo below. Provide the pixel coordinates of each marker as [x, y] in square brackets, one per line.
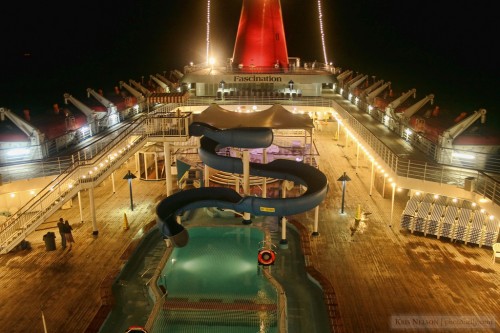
[266, 257]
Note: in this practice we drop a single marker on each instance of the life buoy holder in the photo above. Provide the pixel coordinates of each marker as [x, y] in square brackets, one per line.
[266, 257]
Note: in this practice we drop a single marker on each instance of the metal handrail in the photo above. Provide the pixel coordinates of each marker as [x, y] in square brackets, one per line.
[159, 124]
[84, 174]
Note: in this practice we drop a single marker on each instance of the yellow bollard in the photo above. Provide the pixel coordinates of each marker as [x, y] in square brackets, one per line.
[125, 222]
[358, 213]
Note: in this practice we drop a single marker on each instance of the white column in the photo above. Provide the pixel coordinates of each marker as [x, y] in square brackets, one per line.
[393, 185]
[80, 205]
[383, 187]
[206, 176]
[264, 187]
[156, 166]
[246, 172]
[283, 241]
[357, 157]
[316, 220]
[264, 160]
[136, 159]
[113, 182]
[92, 212]
[168, 170]
[246, 182]
[371, 177]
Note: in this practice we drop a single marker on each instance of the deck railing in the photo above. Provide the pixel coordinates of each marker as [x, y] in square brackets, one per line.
[167, 124]
[83, 174]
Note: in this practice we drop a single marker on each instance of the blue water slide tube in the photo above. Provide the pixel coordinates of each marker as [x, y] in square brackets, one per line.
[225, 198]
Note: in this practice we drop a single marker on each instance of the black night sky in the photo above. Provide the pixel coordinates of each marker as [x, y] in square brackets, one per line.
[439, 47]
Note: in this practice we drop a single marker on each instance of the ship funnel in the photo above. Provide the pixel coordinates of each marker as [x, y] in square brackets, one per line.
[260, 40]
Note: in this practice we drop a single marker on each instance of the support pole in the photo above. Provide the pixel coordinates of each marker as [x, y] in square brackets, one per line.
[80, 205]
[168, 170]
[357, 158]
[95, 232]
[246, 172]
[393, 185]
[371, 177]
[246, 183]
[316, 220]
[113, 182]
[283, 241]
[206, 176]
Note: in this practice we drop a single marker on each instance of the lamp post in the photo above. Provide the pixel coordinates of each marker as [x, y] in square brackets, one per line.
[129, 176]
[344, 178]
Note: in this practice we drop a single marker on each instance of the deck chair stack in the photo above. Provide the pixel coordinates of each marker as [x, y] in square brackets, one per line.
[434, 220]
[462, 224]
[447, 225]
[490, 233]
[409, 212]
[476, 229]
[421, 218]
[445, 217]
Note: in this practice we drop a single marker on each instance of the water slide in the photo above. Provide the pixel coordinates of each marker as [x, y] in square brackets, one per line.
[213, 139]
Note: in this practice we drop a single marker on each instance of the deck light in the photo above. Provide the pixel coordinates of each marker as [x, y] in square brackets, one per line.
[129, 176]
[344, 178]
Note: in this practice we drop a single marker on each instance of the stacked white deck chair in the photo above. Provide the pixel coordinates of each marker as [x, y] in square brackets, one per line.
[448, 222]
[434, 221]
[477, 227]
[436, 215]
[462, 224]
[451, 218]
[410, 211]
[490, 234]
[420, 220]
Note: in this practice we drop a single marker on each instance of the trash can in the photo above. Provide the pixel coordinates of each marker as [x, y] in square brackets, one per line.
[50, 241]
[469, 183]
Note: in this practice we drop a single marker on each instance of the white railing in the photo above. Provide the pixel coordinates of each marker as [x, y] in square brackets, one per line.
[82, 174]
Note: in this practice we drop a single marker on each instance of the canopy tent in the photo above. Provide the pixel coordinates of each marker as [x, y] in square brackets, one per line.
[276, 117]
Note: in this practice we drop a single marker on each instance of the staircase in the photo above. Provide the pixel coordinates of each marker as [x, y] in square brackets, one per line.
[84, 174]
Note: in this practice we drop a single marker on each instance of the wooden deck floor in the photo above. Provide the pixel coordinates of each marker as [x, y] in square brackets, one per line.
[379, 275]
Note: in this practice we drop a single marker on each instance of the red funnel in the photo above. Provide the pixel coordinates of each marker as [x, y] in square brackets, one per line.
[260, 41]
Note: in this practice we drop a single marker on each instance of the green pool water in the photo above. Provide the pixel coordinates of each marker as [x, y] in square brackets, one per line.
[214, 284]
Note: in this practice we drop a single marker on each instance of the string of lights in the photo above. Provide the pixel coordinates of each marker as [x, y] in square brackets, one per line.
[208, 31]
[320, 18]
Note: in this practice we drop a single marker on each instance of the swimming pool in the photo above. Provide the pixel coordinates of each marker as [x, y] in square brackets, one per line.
[214, 284]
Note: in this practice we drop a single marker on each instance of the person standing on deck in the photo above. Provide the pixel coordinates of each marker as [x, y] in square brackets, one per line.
[61, 227]
[69, 235]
